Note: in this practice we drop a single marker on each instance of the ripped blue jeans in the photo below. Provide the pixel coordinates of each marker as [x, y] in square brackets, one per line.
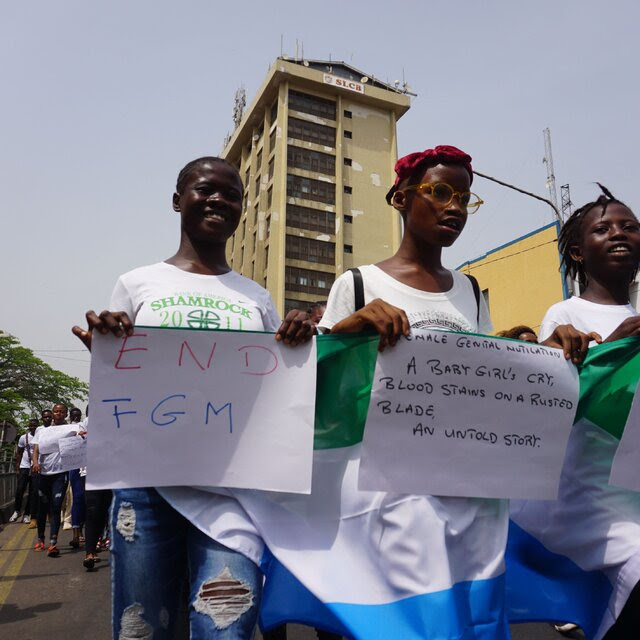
[154, 549]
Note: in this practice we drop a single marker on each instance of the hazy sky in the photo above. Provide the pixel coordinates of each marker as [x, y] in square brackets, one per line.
[103, 103]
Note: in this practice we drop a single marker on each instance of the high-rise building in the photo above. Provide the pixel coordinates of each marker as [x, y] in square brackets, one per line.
[316, 150]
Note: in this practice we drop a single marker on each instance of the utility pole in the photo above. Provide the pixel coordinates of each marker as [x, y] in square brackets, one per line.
[551, 178]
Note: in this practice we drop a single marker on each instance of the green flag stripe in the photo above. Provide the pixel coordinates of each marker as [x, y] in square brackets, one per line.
[608, 381]
[346, 363]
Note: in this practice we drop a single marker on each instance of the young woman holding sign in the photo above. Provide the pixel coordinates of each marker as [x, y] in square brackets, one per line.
[462, 539]
[153, 543]
[600, 247]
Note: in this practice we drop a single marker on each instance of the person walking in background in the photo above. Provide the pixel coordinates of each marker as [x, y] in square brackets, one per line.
[53, 484]
[77, 482]
[23, 469]
[47, 418]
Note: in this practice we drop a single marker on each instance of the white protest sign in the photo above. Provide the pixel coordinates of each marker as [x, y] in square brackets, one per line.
[465, 415]
[73, 453]
[624, 470]
[49, 437]
[172, 407]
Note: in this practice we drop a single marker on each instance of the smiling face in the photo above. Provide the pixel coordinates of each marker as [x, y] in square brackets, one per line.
[610, 243]
[210, 203]
[426, 219]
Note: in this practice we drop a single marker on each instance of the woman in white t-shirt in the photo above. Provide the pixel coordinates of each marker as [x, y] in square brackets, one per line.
[153, 543]
[411, 292]
[600, 247]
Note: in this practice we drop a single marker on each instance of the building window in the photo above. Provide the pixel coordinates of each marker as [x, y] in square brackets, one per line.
[311, 219]
[348, 219]
[312, 104]
[311, 160]
[259, 160]
[274, 112]
[257, 188]
[348, 134]
[347, 162]
[308, 281]
[246, 177]
[272, 141]
[348, 248]
[271, 165]
[294, 304]
[347, 189]
[311, 132]
[311, 250]
[269, 197]
[309, 189]
[348, 114]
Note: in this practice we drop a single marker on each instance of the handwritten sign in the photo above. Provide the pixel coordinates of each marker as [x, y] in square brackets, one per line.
[73, 453]
[211, 408]
[464, 415]
[49, 437]
[624, 470]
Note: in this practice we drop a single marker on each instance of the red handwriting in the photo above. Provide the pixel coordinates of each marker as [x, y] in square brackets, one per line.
[123, 350]
[193, 355]
[246, 360]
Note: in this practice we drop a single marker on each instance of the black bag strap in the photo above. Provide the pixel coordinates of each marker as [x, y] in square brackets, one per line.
[476, 293]
[358, 288]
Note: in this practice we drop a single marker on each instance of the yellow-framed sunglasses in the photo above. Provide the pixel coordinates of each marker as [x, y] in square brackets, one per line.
[444, 193]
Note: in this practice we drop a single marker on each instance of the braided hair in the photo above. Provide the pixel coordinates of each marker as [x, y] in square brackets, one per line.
[198, 162]
[571, 233]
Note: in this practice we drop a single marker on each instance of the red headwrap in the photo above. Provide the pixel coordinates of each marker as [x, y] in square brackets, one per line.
[442, 154]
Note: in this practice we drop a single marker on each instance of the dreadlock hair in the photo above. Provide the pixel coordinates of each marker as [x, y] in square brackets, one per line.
[571, 233]
[198, 162]
[516, 331]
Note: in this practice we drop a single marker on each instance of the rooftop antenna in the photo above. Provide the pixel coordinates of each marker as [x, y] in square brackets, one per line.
[551, 179]
[302, 48]
[281, 44]
[296, 48]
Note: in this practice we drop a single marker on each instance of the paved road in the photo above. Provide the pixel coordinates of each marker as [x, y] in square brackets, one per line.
[45, 598]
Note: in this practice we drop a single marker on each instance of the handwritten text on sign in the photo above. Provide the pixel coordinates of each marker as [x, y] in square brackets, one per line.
[464, 415]
[180, 407]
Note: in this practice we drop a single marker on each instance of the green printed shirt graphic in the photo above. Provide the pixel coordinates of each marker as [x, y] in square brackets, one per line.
[162, 295]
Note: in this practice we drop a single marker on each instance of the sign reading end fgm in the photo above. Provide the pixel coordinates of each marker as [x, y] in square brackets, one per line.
[208, 408]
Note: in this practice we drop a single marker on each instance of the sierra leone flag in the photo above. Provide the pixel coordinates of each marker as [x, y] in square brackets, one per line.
[375, 566]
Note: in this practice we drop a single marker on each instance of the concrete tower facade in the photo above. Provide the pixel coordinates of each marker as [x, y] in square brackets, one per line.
[316, 150]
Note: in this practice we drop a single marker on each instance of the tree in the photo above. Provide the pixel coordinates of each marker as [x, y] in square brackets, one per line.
[28, 385]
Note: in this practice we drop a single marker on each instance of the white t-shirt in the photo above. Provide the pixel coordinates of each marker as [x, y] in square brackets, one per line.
[162, 295]
[453, 310]
[585, 316]
[25, 442]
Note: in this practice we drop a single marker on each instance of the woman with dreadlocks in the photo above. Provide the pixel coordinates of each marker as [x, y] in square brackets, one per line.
[600, 246]
[596, 524]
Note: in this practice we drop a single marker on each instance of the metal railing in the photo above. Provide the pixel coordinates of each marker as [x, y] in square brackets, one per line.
[8, 479]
